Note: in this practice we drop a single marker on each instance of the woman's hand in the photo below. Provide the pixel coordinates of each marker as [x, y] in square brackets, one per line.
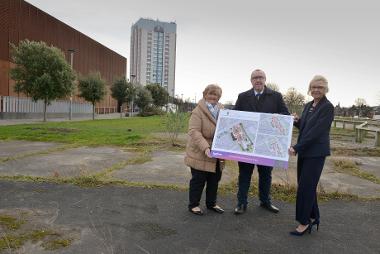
[296, 117]
[292, 151]
[208, 152]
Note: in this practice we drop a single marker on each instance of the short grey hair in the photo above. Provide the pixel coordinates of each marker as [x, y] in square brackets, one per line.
[320, 79]
[213, 88]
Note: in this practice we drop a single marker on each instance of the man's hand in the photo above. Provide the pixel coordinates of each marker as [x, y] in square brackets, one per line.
[296, 117]
[208, 152]
[291, 151]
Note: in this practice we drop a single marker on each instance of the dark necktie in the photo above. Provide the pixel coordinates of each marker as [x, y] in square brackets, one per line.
[258, 96]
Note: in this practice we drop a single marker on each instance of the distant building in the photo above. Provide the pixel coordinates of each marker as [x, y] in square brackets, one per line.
[20, 20]
[153, 53]
[376, 113]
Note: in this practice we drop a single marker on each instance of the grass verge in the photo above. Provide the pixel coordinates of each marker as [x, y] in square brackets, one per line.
[288, 193]
[359, 151]
[278, 192]
[119, 132]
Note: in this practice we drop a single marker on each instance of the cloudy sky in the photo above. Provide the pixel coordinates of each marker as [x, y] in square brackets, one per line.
[223, 41]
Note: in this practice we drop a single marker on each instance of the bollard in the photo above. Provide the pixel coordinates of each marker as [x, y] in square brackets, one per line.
[334, 123]
[344, 124]
[358, 134]
[377, 139]
[363, 134]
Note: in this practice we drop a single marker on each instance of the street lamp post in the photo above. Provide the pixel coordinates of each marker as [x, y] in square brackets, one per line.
[71, 51]
[133, 76]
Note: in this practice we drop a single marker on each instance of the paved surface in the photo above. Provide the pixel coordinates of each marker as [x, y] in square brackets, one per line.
[137, 220]
[66, 163]
[166, 167]
[20, 148]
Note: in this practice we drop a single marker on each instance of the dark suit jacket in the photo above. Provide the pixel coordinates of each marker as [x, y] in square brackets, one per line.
[270, 102]
[314, 136]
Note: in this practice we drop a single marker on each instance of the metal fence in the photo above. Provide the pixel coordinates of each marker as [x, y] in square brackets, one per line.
[11, 104]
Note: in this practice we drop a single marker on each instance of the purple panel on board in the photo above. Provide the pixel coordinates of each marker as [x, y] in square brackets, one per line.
[249, 159]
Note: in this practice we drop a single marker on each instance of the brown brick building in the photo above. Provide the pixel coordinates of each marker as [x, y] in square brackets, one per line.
[20, 20]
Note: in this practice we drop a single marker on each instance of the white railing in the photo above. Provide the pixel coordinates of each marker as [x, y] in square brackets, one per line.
[11, 104]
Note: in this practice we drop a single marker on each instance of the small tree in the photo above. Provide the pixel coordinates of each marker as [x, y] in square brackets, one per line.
[294, 100]
[159, 94]
[92, 88]
[273, 86]
[143, 98]
[119, 91]
[175, 123]
[41, 72]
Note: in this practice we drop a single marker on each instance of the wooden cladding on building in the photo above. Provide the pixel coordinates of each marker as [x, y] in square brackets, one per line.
[20, 20]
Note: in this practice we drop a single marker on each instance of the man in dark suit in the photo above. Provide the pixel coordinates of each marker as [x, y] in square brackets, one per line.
[258, 99]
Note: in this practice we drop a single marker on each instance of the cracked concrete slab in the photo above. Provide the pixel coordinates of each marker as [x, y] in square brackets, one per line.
[332, 180]
[140, 220]
[17, 148]
[67, 163]
[166, 167]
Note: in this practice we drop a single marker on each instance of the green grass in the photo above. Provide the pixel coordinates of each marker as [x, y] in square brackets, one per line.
[359, 151]
[15, 241]
[119, 132]
[57, 244]
[14, 235]
[10, 222]
[288, 193]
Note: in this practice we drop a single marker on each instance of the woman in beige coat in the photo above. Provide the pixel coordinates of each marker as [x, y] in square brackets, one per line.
[204, 168]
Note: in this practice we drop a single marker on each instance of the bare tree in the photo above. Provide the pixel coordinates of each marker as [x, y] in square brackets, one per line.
[294, 100]
[273, 86]
[361, 105]
[359, 102]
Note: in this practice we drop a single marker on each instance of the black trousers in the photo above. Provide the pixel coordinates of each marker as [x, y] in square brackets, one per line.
[197, 184]
[265, 182]
[309, 171]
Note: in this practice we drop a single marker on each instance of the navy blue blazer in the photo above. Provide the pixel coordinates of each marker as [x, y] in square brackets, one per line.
[270, 102]
[314, 134]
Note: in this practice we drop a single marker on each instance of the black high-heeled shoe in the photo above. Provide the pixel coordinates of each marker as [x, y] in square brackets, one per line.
[315, 222]
[297, 233]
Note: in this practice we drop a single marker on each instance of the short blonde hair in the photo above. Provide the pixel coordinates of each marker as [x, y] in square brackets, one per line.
[213, 88]
[320, 79]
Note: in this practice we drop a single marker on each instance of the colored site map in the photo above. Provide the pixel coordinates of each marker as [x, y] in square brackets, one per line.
[259, 138]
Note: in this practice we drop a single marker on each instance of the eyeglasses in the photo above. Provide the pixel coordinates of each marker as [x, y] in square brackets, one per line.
[317, 87]
[257, 77]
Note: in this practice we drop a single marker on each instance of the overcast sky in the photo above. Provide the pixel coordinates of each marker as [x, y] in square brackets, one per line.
[222, 42]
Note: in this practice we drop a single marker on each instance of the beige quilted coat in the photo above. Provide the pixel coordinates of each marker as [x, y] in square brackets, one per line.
[201, 133]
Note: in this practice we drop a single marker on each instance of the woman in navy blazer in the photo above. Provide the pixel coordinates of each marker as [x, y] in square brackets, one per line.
[313, 145]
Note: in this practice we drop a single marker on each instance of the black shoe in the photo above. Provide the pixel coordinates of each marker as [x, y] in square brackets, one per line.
[270, 207]
[240, 209]
[216, 209]
[196, 212]
[298, 233]
[315, 222]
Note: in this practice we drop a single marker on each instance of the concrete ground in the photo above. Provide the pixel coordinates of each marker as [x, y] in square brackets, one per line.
[165, 167]
[138, 220]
